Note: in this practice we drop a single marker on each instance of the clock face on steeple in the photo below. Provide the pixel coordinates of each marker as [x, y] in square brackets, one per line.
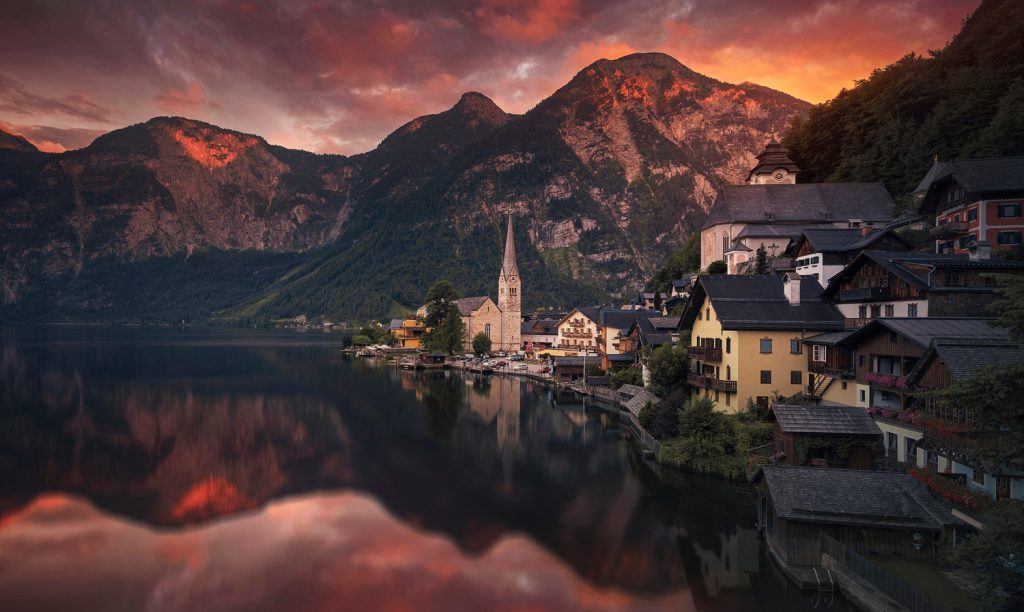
[512, 278]
[779, 175]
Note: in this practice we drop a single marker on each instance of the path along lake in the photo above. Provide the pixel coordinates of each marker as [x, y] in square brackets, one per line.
[164, 469]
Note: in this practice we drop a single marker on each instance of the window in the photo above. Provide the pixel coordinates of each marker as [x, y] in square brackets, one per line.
[487, 330]
[728, 372]
[862, 398]
[860, 360]
[707, 314]
[911, 453]
[876, 311]
[1009, 210]
[972, 214]
[700, 315]
[889, 310]
[978, 476]
[955, 279]
[1008, 238]
[844, 385]
[891, 440]
[862, 311]
[728, 345]
[794, 347]
[766, 346]
[727, 399]
[725, 243]
[766, 377]
[819, 352]
[912, 310]
[796, 377]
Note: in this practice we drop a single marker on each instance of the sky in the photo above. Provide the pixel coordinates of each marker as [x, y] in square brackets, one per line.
[337, 76]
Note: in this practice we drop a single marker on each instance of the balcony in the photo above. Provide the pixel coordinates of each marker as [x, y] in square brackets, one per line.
[708, 382]
[948, 230]
[576, 334]
[864, 294]
[855, 323]
[704, 353]
[821, 367]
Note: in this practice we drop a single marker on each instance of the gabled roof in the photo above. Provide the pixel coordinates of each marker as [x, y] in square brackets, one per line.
[923, 332]
[801, 203]
[681, 283]
[758, 302]
[546, 327]
[836, 240]
[636, 398]
[902, 265]
[396, 324]
[591, 313]
[825, 419]
[858, 498]
[963, 357]
[829, 338]
[995, 174]
[468, 305]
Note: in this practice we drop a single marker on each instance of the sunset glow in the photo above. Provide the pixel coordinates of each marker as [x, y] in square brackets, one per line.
[338, 77]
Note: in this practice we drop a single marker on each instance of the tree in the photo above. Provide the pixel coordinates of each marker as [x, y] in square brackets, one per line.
[717, 267]
[361, 340]
[481, 344]
[684, 261]
[661, 419]
[708, 436]
[657, 299]
[626, 376]
[1009, 305]
[444, 319]
[668, 366]
[761, 265]
[993, 395]
[995, 556]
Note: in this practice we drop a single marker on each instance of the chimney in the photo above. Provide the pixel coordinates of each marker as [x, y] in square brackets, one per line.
[865, 231]
[791, 287]
[980, 249]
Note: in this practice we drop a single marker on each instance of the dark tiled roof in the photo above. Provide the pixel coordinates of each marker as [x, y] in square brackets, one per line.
[901, 264]
[846, 420]
[758, 302]
[965, 356]
[622, 358]
[671, 323]
[978, 175]
[842, 240]
[925, 331]
[469, 304]
[830, 338]
[770, 230]
[547, 327]
[681, 283]
[561, 362]
[801, 203]
[773, 157]
[396, 324]
[854, 497]
[635, 398]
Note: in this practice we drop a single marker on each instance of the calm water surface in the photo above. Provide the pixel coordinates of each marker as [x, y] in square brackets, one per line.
[164, 469]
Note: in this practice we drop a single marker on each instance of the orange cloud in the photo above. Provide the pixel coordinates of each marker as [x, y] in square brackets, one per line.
[531, 21]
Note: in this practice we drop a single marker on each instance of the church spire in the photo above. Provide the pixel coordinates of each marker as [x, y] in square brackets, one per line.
[508, 264]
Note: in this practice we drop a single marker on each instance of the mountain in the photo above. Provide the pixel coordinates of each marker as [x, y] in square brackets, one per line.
[15, 142]
[605, 178]
[966, 100]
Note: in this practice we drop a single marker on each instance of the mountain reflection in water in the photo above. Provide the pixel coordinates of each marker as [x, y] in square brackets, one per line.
[231, 470]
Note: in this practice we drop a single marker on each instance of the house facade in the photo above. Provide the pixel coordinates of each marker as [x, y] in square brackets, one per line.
[975, 200]
[746, 336]
[408, 332]
[579, 331]
[823, 253]
[826, 436]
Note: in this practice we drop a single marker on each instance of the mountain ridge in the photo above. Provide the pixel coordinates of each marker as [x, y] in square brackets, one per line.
[605, 177]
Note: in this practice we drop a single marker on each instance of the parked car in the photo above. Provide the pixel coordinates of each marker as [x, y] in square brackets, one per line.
[521, 367]
[545, 370]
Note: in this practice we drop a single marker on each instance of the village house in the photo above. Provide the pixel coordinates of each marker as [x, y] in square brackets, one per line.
[408, 332]
[880, 284]
[540, 332]
[825, 252]
[975, 200]
[830, 370]
[772, 209]
[874, 513]
[578, 331]
[747, 332]
[826, 436]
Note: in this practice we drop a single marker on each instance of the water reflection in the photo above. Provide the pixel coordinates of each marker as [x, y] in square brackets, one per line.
[238, 471]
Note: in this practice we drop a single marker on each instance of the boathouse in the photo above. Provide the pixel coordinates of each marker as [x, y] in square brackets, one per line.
[827, 436]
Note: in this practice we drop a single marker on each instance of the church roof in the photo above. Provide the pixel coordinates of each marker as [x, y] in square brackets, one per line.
[469, 305]
[773, 157]
[508, 264]
[806, 203]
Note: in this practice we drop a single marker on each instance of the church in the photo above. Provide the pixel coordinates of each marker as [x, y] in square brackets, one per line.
[501, 321]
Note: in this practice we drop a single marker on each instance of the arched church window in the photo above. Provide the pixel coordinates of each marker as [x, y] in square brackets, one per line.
[725, 243]
[487, 330]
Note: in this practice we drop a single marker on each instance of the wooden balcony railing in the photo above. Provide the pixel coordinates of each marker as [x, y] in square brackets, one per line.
[705, 353]
[708, 382]
[855, 323]
[953, 228]
[828, 369]
[576, 334]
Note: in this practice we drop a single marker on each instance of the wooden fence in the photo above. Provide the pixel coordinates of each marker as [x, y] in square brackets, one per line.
[885, 581]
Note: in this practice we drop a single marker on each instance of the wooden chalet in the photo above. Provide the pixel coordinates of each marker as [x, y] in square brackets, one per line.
[826, 436]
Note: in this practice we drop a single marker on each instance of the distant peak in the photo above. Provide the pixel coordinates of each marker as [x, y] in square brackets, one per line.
[477, 102]
[649, 59]
[15, 142]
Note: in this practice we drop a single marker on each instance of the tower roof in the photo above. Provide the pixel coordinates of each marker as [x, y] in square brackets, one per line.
[774, 156]
[508, 264]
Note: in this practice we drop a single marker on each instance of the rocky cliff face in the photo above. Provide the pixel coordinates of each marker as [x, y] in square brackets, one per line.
[605, 178]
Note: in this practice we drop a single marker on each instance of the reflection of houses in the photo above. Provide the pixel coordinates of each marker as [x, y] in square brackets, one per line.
[975, 200]
[826, 436]
[746, 335]
[730, 567]
[879, 284]
[882, 513]
[772, 209]
[408, 333]
[825, 252]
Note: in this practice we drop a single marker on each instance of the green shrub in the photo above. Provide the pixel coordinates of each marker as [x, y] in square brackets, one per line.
[627, 376]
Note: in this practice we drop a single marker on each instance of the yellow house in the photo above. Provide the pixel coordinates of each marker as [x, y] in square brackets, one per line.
[408, 332]
[747, 332]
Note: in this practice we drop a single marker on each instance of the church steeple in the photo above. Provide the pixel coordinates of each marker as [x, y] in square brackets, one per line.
[774, 166]
[508, 264]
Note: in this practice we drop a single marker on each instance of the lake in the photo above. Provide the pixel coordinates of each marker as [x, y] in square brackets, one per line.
[168, 469]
